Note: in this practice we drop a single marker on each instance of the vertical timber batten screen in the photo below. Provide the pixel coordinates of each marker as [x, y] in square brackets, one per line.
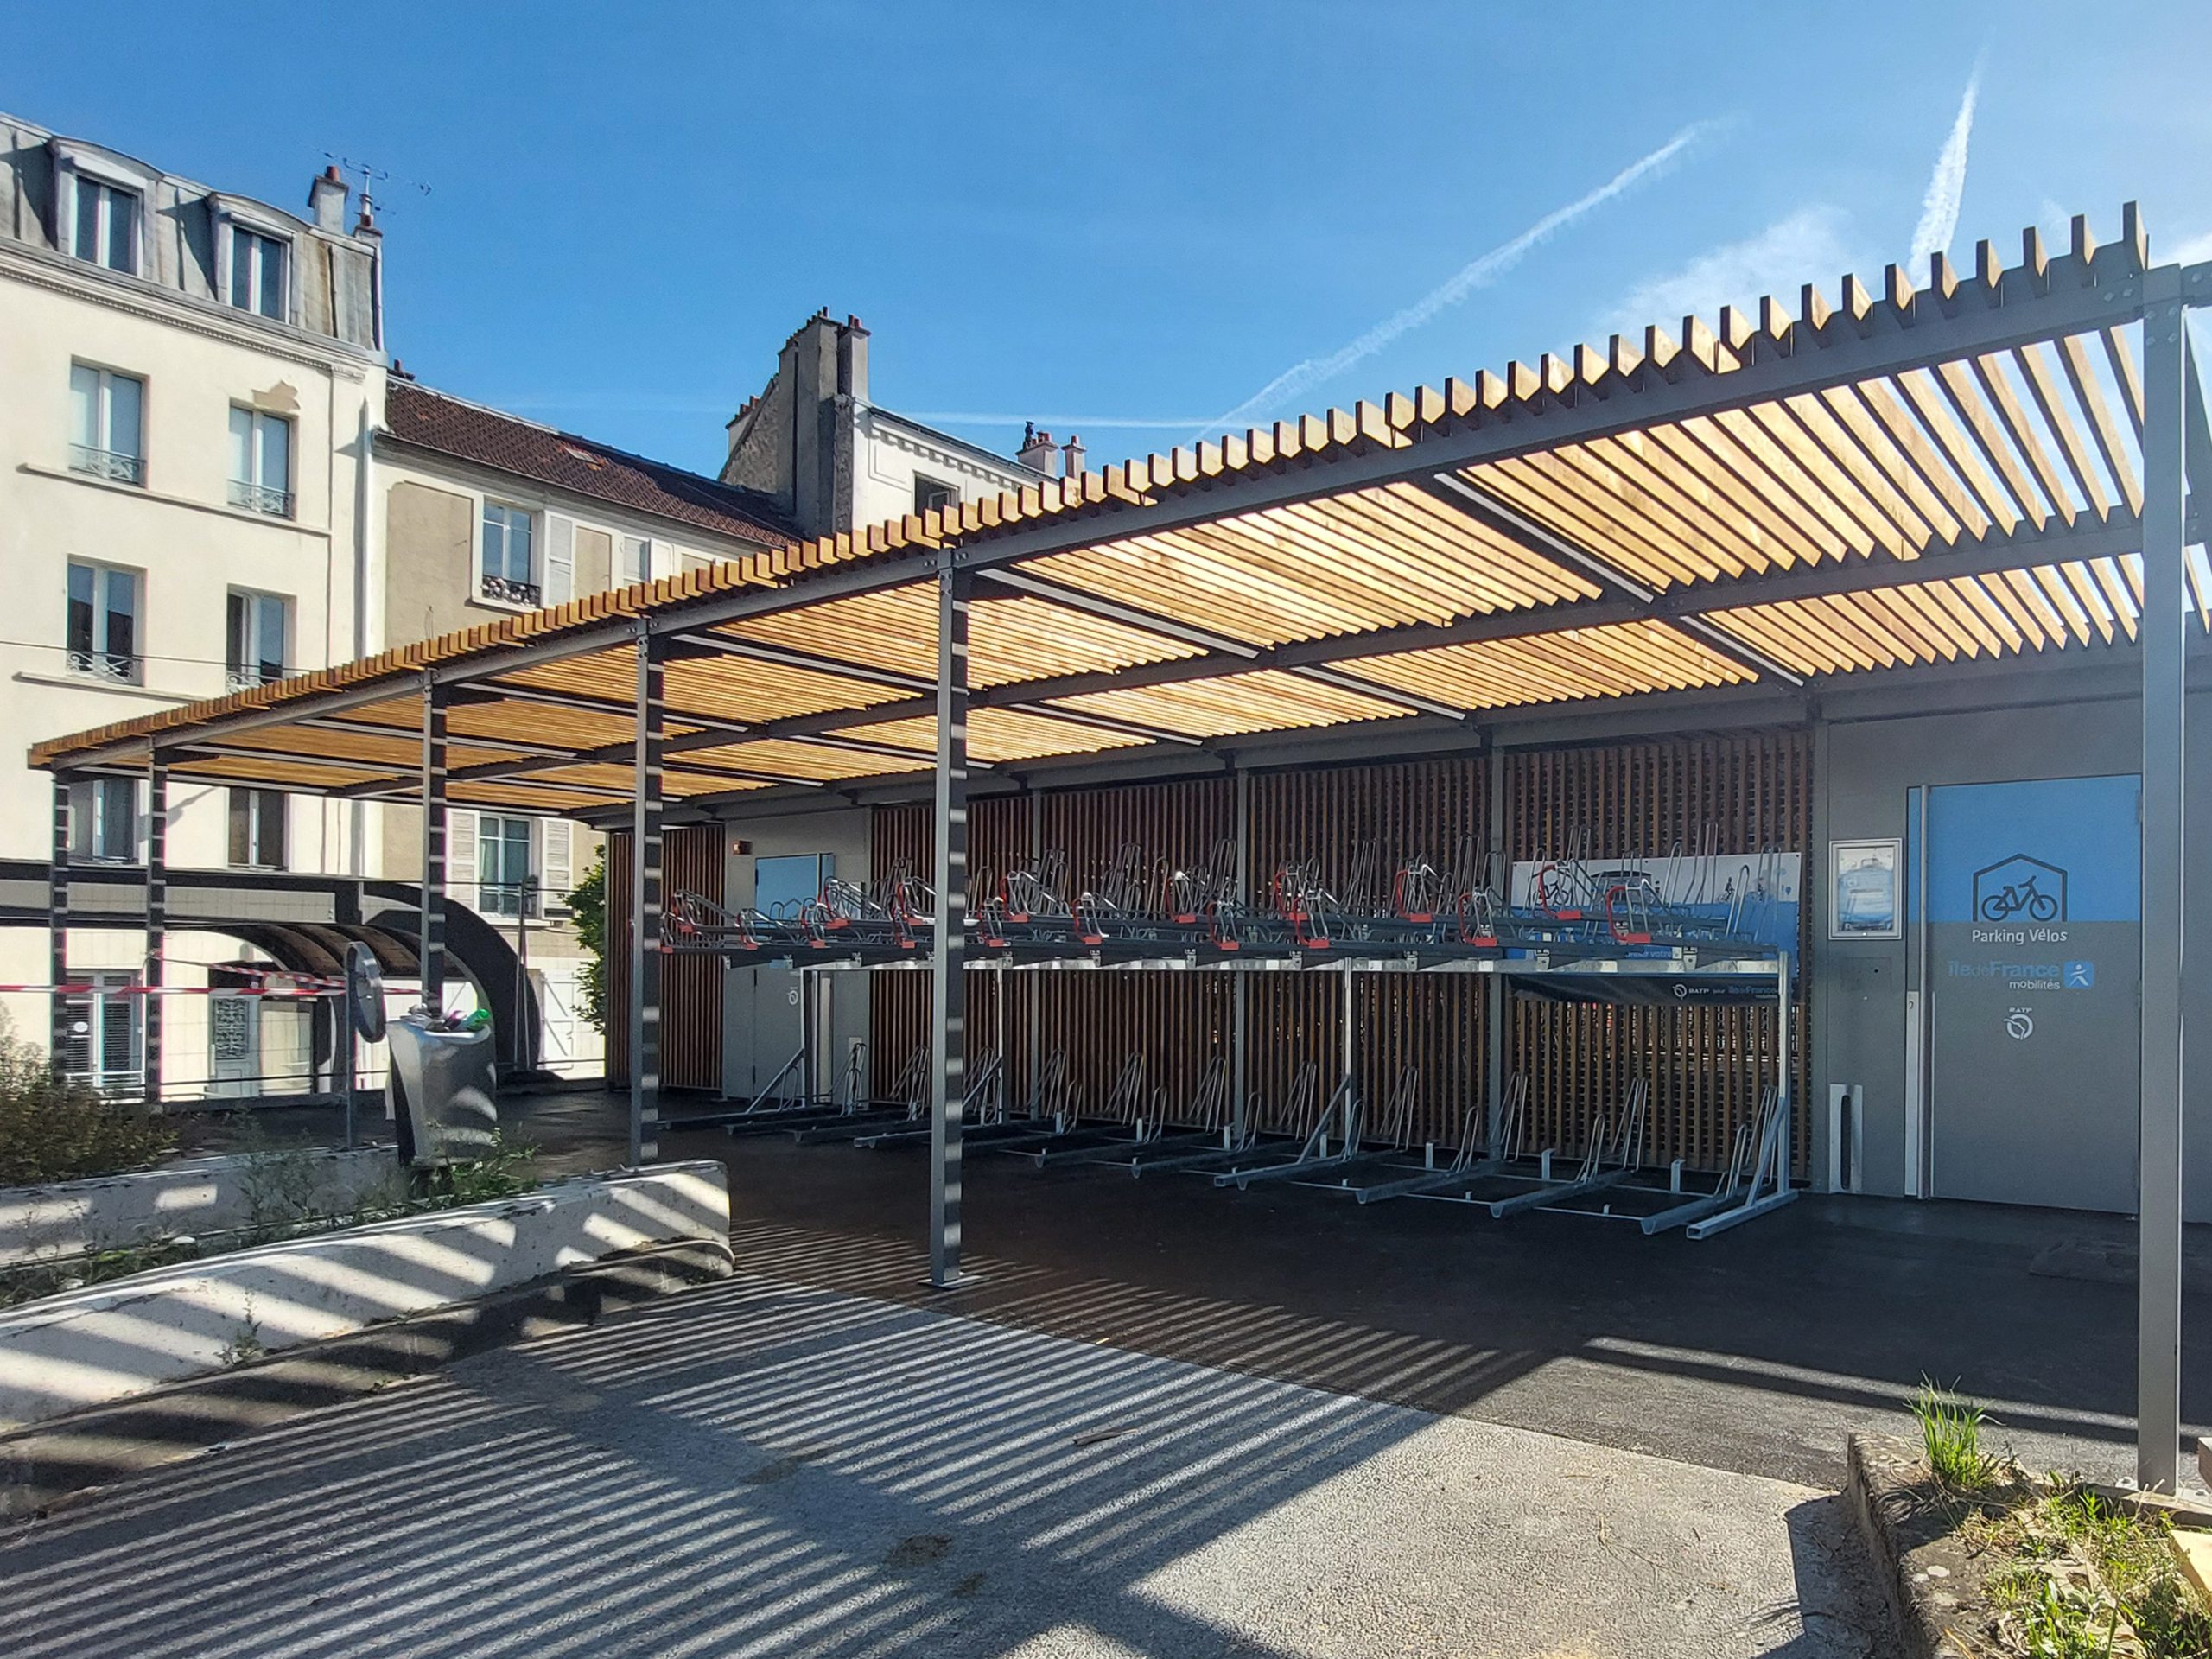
[690, 986]
[1704, 1066]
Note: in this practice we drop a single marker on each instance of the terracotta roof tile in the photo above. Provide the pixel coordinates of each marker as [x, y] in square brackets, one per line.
[430, 420]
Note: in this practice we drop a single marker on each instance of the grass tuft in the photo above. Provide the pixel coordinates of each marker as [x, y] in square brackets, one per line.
[1950, 1437]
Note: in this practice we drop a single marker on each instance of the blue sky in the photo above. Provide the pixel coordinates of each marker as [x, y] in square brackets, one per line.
[1141, 217]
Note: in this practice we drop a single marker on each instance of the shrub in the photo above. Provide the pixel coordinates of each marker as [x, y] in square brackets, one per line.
[588, 912]
[55, 1128]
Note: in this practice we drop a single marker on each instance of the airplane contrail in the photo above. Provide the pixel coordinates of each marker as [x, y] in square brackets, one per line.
[1939, 209]
[1475, 274]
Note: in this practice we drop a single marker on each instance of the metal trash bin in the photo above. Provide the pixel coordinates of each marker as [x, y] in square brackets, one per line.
[442, 1091]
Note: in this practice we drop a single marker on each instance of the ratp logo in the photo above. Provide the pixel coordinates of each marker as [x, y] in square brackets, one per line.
[2020, 888]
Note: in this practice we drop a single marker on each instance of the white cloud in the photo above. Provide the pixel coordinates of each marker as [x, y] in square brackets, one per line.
[1477, 273]
[1947, 185]
[1811, 246]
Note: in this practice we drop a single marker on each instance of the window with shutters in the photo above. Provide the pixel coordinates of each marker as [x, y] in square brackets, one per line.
[507, 556]
[637, 564]
[101, 1032]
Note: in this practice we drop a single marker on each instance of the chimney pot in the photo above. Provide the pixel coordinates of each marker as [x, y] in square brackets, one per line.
[1038, 452]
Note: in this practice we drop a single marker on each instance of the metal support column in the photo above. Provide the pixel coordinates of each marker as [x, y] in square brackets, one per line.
[1495, 1001]
[2166, 367]
[57, 927]
[430, 948]
[949, 1009]
[158, 916]
[1239, 986]
[644, 905]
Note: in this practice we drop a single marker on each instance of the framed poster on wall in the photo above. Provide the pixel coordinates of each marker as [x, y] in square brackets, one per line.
[1864, 902]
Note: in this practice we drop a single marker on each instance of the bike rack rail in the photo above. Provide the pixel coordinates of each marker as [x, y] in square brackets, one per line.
[1475, 1162]
[1613, 1157]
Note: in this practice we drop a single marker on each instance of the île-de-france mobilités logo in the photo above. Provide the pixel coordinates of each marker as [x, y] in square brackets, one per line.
[2020, 889]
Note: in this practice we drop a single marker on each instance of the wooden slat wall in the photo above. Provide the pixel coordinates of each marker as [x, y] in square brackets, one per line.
[1704, 1066]
[1412, 809]
[690, 986]
[899, 1004]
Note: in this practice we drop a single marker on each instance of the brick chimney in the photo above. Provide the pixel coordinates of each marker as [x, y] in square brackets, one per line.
[1038, 452]
[327, 201]
[1071, 457]
[852, 359]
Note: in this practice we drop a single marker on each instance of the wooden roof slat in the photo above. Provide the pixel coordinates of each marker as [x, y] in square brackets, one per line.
[1881, 400]
[1880, 451]
[1971, 394]
[2074, 356]
[2058, 420]
[1920, 390]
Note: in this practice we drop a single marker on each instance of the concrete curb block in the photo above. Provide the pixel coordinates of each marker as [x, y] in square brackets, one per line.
[1924, 1571]
[45, 1466]
[190, 1195]
[91, 1347]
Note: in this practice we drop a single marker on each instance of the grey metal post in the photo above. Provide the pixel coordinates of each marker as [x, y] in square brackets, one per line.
[57, 927]
[1784, 1086]
[949, 1011]
[1240, 985]
[644, 905]
[431, 946]
[1494, 1000]
[157, 911]
[2165, 615]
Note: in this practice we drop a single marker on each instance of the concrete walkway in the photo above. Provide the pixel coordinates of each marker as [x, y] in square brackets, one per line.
[769, 1468]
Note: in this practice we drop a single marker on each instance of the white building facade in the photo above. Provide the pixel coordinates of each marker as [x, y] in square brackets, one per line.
[190, 377]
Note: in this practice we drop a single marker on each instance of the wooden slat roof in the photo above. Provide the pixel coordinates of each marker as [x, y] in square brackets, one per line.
[1854, 482]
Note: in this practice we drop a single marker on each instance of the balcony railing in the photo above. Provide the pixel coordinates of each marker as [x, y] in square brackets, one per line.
[507, 591]
[115, 667]
[240, 678]
[510, 898]
[260, 498]
[107, 463]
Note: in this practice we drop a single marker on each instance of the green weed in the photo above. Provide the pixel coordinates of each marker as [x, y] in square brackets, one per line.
[1951, 1437]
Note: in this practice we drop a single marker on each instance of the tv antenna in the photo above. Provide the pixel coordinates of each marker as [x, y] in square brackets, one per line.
[372, 177]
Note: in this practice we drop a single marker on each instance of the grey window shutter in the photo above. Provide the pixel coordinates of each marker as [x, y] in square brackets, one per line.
[554, 878]
[560, 584]
[461, 857]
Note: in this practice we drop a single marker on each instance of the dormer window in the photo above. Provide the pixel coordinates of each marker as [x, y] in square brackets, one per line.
[257, 273]
[107, 224]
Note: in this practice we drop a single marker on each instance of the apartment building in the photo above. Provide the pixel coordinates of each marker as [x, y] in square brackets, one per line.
[189, 378]
[484, 514]
[829, 459]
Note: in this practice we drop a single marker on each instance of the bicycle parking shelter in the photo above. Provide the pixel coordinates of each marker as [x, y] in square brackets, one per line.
[1950, 499]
